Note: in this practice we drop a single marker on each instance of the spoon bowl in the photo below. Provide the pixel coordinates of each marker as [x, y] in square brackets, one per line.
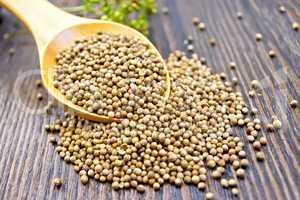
[55, 30]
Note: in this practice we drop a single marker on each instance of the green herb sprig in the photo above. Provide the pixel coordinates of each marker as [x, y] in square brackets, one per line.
[134, 13]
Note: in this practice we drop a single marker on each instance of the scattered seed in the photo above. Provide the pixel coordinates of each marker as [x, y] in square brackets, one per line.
[6, 36]
[277, 124]
[52, 139]
[196, 21]
[39, 96]
[140, 188]
[263, 140]
[232, 65]
[254, 84]
[272, 54]
[294, 103]
[235, 191]
[251, 93]
[212, 41]
[38, 83]
[165, 10]
[190, 48]
[295, 26]
[234, 80]
[232, 182]
[224, 182]
[270, 127]
[254, 111]
[84, 179]
[57, 182]
[282, 9]
[201, 26]
[260, 156]
[11, 51]
[258, 37]
[209, 196]
[239, 15]
[240, 173]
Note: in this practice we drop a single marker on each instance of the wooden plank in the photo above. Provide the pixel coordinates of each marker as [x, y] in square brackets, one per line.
[28, 162]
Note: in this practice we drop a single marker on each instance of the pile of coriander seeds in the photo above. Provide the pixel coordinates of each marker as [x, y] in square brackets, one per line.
[175, 141]
[108, 73]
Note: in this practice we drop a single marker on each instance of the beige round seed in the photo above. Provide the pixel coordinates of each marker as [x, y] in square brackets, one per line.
[295, 26]
[232, 65]
[235, 191]
[294, 103]
[209, 196]
[258, 37]
[224, 182]
[277, 124]
[84, 179]
[260, 156]
[201, 26]
[272, 54]
[240, 173]
[140, 188]
[57, 182]
[263, 140]
[282, 9]
[239, 15]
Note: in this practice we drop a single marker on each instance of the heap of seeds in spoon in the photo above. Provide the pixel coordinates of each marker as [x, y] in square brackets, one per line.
[110, 74]
[177, 141]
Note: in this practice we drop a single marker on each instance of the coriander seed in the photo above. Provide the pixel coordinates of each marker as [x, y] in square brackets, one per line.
[57, 182]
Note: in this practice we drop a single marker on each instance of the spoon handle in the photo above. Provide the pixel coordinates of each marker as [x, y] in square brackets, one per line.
[43, 19]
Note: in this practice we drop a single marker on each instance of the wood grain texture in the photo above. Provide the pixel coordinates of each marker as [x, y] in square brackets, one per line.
[28, 161]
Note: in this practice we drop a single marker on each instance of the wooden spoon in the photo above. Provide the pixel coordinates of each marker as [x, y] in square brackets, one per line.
[55, 30]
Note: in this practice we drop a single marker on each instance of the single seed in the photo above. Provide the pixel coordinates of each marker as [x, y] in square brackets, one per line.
[57, 182]
[272, 54]
[277, 124]
[11, 51]
[258, 37]
[212, 41]
[232, 65]
[235, 191]
[244, 163]
[190, 48]
[201, 26]
[165, 10]
[156, 186]
[256, 145]
[251, 93]
[39, 96]
[209, 196]
[270, 127]
[234, 80]
[294, 103]
[295, 26]
[196, 21]
[260, 156]
[201, 185]
[240, 173]
[263, 141]
[224, 182]
[140, 188]
[52, 139]
[38, 83]
[254, 84]
[254, 111]
[282, 9]
[84, 179]
[232, 182]
[239, 15]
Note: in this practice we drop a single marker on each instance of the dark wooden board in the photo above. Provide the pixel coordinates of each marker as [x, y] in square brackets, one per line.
[28, 161]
